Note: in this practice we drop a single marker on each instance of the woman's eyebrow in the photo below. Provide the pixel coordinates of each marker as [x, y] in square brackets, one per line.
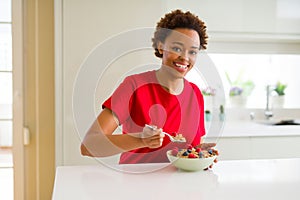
[181, 44]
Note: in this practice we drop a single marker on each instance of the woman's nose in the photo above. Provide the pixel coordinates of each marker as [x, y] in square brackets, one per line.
[184, 55]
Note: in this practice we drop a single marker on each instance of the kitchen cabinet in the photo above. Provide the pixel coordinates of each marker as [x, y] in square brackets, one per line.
[242, 139]
[279, 17]
[236, 148]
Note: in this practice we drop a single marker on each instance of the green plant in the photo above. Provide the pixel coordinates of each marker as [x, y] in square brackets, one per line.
[209, 91]
[279, 88]
[239, 86]
[207, 115]
[221, 109]
[207, 112]
[222, 114]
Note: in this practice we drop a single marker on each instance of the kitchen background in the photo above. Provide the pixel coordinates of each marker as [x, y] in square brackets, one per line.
[253, 42]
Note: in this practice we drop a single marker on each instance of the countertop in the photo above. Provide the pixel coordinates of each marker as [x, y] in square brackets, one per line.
[250, 129]
[240, 179]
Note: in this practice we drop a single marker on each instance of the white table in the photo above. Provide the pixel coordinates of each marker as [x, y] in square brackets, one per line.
[243, 179]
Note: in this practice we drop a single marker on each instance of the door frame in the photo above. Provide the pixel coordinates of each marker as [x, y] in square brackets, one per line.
[58, 46]
[18, 112]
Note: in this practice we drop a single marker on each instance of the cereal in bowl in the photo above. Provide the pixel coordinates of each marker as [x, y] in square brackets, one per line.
[193, 152]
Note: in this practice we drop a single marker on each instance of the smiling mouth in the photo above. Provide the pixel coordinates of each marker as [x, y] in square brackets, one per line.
[181, 66]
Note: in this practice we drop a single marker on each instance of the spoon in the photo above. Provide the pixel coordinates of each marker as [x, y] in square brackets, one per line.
[173, 139]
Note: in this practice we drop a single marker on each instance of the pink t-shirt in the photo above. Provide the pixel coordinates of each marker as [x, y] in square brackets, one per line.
[141, 100]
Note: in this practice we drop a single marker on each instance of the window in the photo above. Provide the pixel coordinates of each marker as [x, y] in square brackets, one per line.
[262, 70]
[5, 74]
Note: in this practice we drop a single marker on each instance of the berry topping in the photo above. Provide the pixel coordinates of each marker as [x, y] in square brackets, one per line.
[175, 151]
[185, 153]
[193, 152]
[191, 155]
[200, 154]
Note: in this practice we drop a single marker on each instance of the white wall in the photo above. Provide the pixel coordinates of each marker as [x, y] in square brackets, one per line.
[82, 25]
[86, 24]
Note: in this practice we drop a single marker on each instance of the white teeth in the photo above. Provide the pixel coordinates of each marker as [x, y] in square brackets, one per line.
[181, 66]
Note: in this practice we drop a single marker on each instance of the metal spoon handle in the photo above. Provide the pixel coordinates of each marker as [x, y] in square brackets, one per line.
[169, 135]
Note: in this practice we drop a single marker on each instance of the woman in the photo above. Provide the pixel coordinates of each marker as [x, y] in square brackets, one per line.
[162, 98]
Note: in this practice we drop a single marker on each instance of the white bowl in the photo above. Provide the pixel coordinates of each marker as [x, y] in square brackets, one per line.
[190, 164]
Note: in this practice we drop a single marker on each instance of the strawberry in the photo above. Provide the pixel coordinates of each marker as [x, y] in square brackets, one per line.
[175, 151]
[198, 150]
[191, 155]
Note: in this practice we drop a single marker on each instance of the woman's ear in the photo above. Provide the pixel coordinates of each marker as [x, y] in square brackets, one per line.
[160, 47]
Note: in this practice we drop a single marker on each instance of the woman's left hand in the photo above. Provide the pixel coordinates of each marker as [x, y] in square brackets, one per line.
[208, 146]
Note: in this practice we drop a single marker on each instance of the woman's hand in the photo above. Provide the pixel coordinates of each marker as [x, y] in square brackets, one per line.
[208, 146]
[152, 138]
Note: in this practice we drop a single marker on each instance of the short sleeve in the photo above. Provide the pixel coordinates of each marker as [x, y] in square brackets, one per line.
[119, 101]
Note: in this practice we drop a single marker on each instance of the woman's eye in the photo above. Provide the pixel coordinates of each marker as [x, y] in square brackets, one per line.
[193, 52]
[176, 49]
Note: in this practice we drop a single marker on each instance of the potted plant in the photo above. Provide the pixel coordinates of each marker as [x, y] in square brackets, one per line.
[239, 91]
[208, 94]
[237, 99]
[209, 91]
[280, 88]
[222, 113]
[207, 115]
[279, 97]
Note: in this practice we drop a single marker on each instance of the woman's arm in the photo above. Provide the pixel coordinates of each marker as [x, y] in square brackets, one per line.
[99, 141]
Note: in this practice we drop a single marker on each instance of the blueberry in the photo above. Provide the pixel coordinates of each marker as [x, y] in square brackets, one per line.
[200, 154]
[185, 153]
[189, 150]
[210, 151]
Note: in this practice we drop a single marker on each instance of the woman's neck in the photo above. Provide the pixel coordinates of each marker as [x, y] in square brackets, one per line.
[171, 84]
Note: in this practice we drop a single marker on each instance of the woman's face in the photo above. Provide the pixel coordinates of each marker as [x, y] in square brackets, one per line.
[180, 51]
